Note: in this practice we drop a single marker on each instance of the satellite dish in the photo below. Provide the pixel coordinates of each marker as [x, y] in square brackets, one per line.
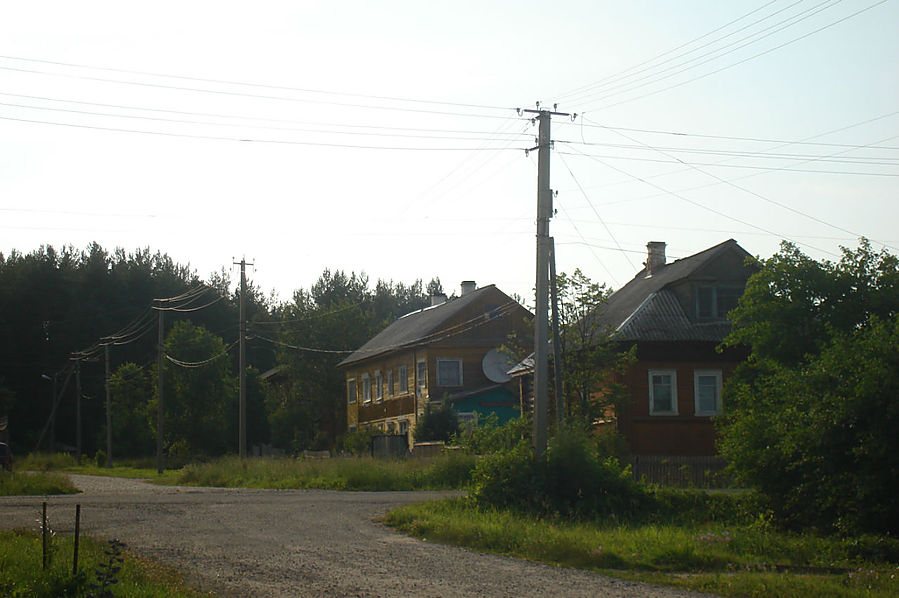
[495, 365]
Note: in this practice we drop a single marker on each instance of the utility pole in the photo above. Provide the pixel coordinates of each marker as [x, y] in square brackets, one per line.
[160, 360]
[544, 213]
[78, 410]
[242, 363]
[108, 412]
[557, 341]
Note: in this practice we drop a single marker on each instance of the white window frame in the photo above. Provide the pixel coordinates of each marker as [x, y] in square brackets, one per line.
[379, 386]
[351, 396]
[402, 372]
[442, 360]
[719, 379]
[366, 389]
[403, 426]
[663, 372]
[421, 382]
[389, 384]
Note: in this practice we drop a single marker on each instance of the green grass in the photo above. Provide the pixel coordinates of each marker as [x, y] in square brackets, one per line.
[344, 473]
[21, 573]
[740, 560]
[34, 484]
[130, 468]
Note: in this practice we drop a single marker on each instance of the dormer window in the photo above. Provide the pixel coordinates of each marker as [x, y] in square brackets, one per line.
[714, 302]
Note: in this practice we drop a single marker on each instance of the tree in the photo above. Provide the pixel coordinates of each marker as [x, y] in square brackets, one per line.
[590, 360]
[200, 393]
[437, 424]
[812, 415]
[131, 390]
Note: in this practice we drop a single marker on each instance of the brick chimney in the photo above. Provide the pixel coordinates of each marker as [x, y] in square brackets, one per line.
[655, 257]
[438, 299]
[468, 286]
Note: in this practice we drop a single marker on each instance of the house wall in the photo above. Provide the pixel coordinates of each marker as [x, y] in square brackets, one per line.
[394, 406]
[684, 434]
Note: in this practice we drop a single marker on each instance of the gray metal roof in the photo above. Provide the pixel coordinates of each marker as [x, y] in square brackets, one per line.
[645, 309]
[423, 326]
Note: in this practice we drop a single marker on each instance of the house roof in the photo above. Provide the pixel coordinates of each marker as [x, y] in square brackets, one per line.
[422, 326]
[646, 309]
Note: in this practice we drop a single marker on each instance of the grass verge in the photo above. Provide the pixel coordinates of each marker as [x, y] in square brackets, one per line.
[133, 469]
[21, 573]
[35, 484]
[345, 473]
[741, 560]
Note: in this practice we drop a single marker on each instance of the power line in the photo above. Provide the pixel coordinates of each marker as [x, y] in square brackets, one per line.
[257, 85]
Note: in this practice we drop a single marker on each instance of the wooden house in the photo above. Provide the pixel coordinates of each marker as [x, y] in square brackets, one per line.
[445, 352]
[675, 314]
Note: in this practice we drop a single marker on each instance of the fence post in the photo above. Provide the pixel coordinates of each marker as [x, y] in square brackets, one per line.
[44, 536]
[77, 533]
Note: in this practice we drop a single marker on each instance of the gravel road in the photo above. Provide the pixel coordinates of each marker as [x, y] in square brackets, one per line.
[274, 543]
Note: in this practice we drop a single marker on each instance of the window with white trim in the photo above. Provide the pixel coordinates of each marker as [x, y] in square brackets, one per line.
[366, 389]
[402, 373]
[379, 386]
[404, 427]
[662, 392]
[449, 371]
[389, 391]
[351, 390]
[707, 392]
[421, 378]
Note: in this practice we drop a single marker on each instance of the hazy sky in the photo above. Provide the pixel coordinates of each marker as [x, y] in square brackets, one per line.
[383, 136]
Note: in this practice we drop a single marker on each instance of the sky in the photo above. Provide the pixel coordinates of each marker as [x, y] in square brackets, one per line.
[385, 138]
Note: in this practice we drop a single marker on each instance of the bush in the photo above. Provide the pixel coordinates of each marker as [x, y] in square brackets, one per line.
[490, 437]
[572, 480]
[437, 424]
[357, 443]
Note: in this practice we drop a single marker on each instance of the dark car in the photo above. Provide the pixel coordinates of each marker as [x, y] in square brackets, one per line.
[5, 457]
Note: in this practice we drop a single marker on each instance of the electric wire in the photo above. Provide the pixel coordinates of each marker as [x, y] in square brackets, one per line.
[742, 61]
[656, 77]
[198, 364]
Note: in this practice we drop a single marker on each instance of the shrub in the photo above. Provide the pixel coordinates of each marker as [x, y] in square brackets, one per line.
[358, 443]
[572, 480]
[437, 424]
[490, 437]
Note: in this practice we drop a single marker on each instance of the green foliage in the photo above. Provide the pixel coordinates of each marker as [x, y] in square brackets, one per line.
[131, 391]
[488, 437]
[437, 424]
[812, 416]
[200, 402]
[571, 481]
[358, 443]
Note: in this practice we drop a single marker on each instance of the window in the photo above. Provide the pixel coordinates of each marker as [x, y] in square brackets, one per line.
[389, 383]
[379, 387]
[366, 389]
[352, 428]
[707, 392]
[714, 302]
[404, 427]
[662, 392]
[449, 372]
[351, 390]
[402, 373]
[421, 378]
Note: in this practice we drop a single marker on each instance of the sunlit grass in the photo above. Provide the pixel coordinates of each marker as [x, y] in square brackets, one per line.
[22, 575]
[344, 473]
[34, 484]
[729, 560]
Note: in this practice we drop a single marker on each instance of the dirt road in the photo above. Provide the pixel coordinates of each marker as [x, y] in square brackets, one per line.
[277, 543]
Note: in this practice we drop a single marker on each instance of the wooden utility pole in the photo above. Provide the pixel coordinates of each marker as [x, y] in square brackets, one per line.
[557, 341]
[541, 320]
[160, 360]
[242, 362]
[78, 410]
[108, 412]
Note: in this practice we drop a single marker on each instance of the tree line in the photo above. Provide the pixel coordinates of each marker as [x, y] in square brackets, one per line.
[56, 302]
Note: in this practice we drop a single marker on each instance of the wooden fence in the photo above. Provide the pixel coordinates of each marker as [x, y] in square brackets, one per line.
[682, 472]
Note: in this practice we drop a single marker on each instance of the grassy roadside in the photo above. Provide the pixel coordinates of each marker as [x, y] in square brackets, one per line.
[35, 484]
[447, 472]
[21, 574]
[740, 560]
